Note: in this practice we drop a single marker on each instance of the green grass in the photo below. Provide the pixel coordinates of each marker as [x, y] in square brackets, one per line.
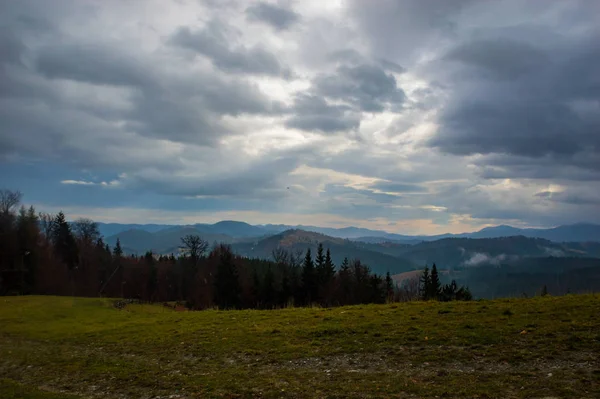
[517, 348]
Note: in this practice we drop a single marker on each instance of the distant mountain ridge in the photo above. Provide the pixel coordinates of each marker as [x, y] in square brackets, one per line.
[581, 232]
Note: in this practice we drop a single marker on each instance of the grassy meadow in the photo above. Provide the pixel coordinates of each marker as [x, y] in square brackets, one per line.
[64, 347]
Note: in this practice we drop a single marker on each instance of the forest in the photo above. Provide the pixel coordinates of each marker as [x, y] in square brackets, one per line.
[46, 254]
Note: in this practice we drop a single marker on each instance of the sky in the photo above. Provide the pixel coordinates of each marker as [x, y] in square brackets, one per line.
[411, 116]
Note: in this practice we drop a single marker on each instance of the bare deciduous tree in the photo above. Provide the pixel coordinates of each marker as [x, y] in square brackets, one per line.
[46, 223]
[9, 200]
[296, 258]
[408, 289]
[280, 256]
[86, 230]
[194, 246]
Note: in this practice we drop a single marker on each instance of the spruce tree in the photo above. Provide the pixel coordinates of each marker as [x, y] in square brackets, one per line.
[329, 267]
[320, 263]
[309, 285]
[118, 251]
[64, 241]
[425, 284]
[435, 287]
[345, 266]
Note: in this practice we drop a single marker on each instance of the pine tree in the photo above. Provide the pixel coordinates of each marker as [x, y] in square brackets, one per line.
[425, 284]
[64, 241]
[329, 267]
[320, 264]
[345, 265]
[435, 287]
[309, 285]
[118, 251]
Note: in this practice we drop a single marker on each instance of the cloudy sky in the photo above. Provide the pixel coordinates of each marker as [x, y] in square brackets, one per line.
[410, 116]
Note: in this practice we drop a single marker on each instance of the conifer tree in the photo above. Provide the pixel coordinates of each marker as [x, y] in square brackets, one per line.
[345, 265]
[320, 263]
[425, 284]
[309, 285]
[435, 287]
[118, 251]
[64, 241]
[328, 268]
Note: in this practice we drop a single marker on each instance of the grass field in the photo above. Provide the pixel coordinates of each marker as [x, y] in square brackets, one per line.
[60, 347]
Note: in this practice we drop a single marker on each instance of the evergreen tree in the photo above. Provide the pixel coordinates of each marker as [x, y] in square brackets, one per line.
[320, 264]
[435, 287]
[345, 265]
[329, 267]
[64, 241]
[309, 285]
[448, 292]
[227, 285]
[118, 251]
[425, 284]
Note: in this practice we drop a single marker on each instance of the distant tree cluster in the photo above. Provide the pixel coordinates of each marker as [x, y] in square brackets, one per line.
[430, 288]
[44, 254]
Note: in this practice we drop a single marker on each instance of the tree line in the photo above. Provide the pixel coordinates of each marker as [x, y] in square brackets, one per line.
[46, 254]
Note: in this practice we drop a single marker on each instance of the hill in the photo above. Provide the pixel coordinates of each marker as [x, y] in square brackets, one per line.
[469, 252]
[520, 348]
[299, 241]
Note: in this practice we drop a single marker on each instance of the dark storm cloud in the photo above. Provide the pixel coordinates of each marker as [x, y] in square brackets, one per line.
[545, 105]
[503, 58]
[278, 17]
[11, 48]
[567, 198]
[154, 102]
[213, 42]
[313, 113]
[366, 87]
[91, 63]
[263, 178]
[400, 29]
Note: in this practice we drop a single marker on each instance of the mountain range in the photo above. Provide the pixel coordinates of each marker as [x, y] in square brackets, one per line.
[580, 232]
[495, 261]
[382, 254]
